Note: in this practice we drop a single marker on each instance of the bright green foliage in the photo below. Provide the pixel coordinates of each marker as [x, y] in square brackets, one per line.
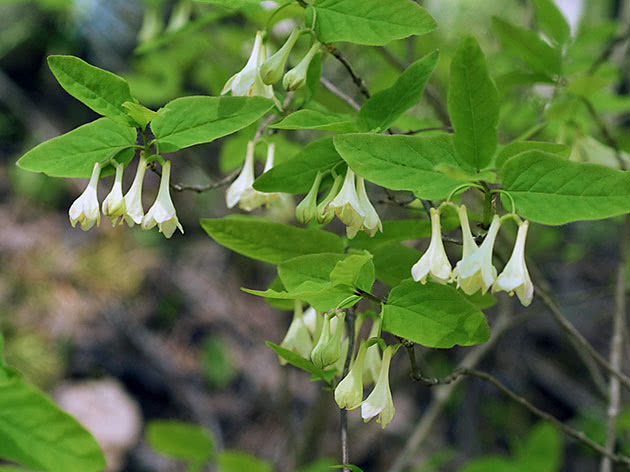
[473, 104]
[401, 162]
[267, 241]
[140, 114]
[433, 315]
[553, 191]
[371, 22]
[188, 121]
[74, 154]
[237, 461]
[178, 440]
[393, 262]
[551, 21]
[98, 89]
[527, 45]
[298, 173]
[306, 365]
[356, 270]
[37, 434]
[386, 106]
[316, 119]
[517, 147]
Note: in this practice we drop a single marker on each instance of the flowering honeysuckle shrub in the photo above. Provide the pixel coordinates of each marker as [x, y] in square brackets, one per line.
[359, 296]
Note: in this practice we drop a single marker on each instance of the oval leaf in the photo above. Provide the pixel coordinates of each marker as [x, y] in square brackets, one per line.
[180, 440]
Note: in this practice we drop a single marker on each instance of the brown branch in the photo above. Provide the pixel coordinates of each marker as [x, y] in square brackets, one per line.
[606, 53]
[608, 137]
[358, 81]
[339, 93]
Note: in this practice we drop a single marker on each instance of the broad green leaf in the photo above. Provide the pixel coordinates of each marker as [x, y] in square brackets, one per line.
[98, 89]
[586, 85]
[551, 21]
[180, 440]
[298, 361]
[355, 270]
[268, 241]
[36, 433]
[542, 450]
[371, 22]
[386, 106]
[315, 119]
[139, 113]
[433, 315]
[473, 104]
[393, 262]
[238, 461]
[188, 121]
[554, 191]
[490, 463]
[401, 162]
[517, 147]
[526, 45]
[298, 173]
[74, 154]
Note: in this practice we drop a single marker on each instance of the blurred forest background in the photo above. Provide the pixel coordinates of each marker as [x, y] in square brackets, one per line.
[123, 327]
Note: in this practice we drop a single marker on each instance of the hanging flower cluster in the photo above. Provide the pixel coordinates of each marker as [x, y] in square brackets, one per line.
[475, 270]
[118, 207]
[350, 204]
[242, 192]
[260, 72]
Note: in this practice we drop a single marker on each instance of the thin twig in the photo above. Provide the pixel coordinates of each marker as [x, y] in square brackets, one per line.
[358, 81]
[448, 129]
[608, 137]
[227, 180]
[340, 93]
[606, 53]
[616, 347]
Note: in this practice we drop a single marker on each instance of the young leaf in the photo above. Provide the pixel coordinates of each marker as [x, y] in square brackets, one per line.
[37, 434]
[98, 89]
[542, 450]
[433, 315]
[386, 106]
[525, 44]
[180, 440]
[473, 104]
[187, 121]
[298, 173]
[139, 113]
[517, 147]
[298, 361]
[371, 22]
[237, 461]
[551, 21]
[315, 119]
[555, 191]
[268, 241]
[401, 162]
[74, 154]
[356, 270]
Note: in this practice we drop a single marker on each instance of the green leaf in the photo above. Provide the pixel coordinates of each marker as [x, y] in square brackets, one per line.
[179, 440]
[139, 113]
[473, 104]
[298, 361]
[267, 241]
[401, 162]
[315, 119]
[393, 262]
[554, 191]
[517, 147]
[551, 21]
[433, 315]
[187, 121]
[542, 451]
[74, 154]
[238, 461]
[371, 22]
[525, 44]
[298, 173]
[37, 434]
[386, 106]
[356, 270]
[490, 463]
[98, 89]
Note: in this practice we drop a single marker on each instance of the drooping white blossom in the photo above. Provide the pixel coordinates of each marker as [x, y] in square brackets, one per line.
[163, 213]
[346, 204]
[379, 403]
[248, 82]
[434, 261]
[515, 277]
[114, 204]
[349, 392]
[297, 338]
[134, 213]
[371, 222]
[85, 209]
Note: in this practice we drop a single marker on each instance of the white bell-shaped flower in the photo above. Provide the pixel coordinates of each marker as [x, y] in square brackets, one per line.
[133, 198]
[475, 271]
[329, 347]
[306, 211]
[114, 204]
[379, 403]
[371, 223]
[248, 82]
[85, 209]
[242, 188]
[349, 392]
[313, 320]
[326, 213]
[162, 213]
[373, 360]
[434, 261]
[297, 339]
[346, 203]
[515, 277]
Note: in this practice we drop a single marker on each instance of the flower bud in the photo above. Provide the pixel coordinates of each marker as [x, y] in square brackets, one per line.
[325, 213]
[306, 211]
[296, 77]
[328, 348]
[114, 204]
[349, 392]
[273, 68]
[297, 339]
